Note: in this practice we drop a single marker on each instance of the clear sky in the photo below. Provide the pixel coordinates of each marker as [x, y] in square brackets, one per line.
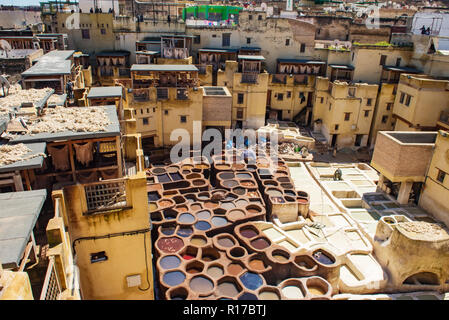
[20, 2]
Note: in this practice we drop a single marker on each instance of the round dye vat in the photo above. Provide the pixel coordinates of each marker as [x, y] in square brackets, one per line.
[193, 270]
[302, 201]
[289, 193]
[248, 184]
[253, 194]
[268, 295]
[226, 242]
[153, 207]
[260, 243]
[219, 221]
[186, 218]
[203, 196]
[215, 272]
[257, 264]
[170, 245]
[203, 215]
[320, 256]
[165, 203]
[210, 204]
[230, 183]
[251, 280]
[168, 231]
[292, 292]
[241, 203]
[243, 176]
[202, 225]
[228, 289]
[184, 232]
[315, 290]
[187, 257]
[195, 207]
[198, 241]
[227, 205]
[248, 296]
[240, 191]
[201, 284]
[181, 209]
[248, 233]
[236, 214]
[253, 209]
[280, 257]
[174, 278]
[226, 175]
[234, 269]
[274, 193]
[169, 262]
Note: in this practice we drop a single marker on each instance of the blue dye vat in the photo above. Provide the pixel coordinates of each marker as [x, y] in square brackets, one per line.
[248, 296]
[170, 262]
[251, 280]
[174, 278]
[185, 232]
[202, 225]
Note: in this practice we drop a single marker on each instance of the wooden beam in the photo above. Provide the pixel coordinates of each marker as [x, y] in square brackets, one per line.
[18, 184]
[119, 157]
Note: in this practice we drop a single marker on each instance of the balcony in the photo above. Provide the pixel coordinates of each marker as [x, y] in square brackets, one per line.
[105, 196]
[279, 78]
[162, 93]
[182, 94]
[141, 95]
[249, 77]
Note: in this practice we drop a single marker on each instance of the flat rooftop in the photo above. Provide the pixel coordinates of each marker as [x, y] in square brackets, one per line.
[18, 217]
[250, 57]
[49, 68]
[164, 67]
[59, 55]
[111, 130]
[407, 137]
[216, 91]
[301, 61]
[33, 163]
[341, 66]
[105, 92]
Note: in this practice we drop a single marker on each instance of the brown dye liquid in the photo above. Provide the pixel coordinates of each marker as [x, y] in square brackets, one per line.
[165, 203]
[234, 269]
[193, 270]
[260, 244]
[225, 242]
[195, 207]
[227, 289]
[257, 264]
[248, 233]
[317, 291]
[235, 215]
[210, 204]
[280, 257]
[170, 245]
[268, 295]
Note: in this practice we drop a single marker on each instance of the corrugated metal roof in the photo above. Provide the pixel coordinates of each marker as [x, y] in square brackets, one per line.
[249, 57]
[163, 67]
[148, 53]
[49, 68]
[104, 92]
[56, 55]
[218, 50]
[301, 61]
[33, 163]
[341, 66]
[402, 69]
[18, 217]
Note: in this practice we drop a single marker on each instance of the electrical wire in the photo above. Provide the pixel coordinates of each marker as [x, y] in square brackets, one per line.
[146, 263]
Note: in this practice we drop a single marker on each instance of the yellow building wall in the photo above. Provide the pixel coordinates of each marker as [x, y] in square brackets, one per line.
[435, 196]
[126, 253]
[384, 97]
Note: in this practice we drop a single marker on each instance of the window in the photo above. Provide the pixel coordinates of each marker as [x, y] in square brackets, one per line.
[240, 98]
[250, 17]
[289, 94]
[103, 31]
[395, 89]
[183, 119]
[166, 112]
[398, 62]
[366, 113]
[401, 99]
[383, 58]
[197, 39]
[240, 113]
[63, 25]
[145, 121]
[441, 175]
[154, 109]
[352, 58]
[280, 96]
[318, 31]
[259, 17]
[347, 116]
[226, 40]
[98, 256]
[389, 105]
[148, 110]
[214, 36]
[384, 119]
[407, 101]
[248, 40]
[141, 111]
[287, 42]
[351, 92]
[85, 34]
[321, 100]
[330, 106]
[368, 101]
[303, 47]
[336, 127]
